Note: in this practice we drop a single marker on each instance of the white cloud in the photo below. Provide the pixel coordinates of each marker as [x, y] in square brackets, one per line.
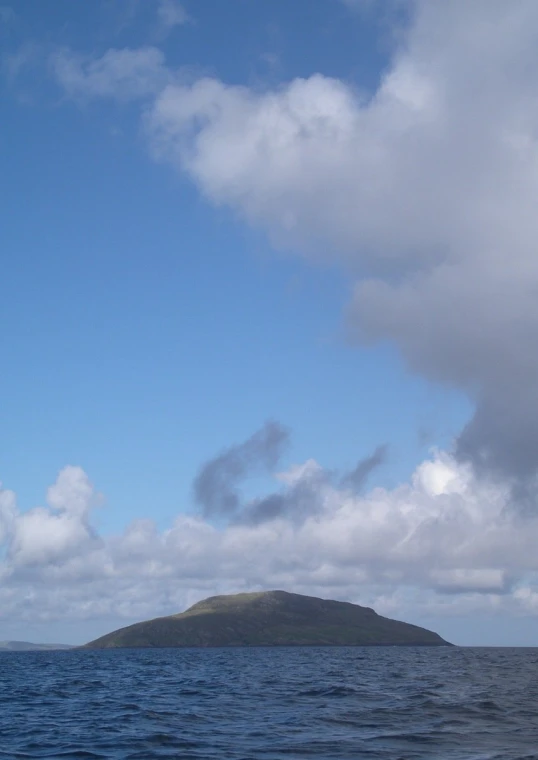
[528, 598]
[72, 492]
[454, 546]
[8, 512]
[426, 188]
[44, 536]
[41, 537]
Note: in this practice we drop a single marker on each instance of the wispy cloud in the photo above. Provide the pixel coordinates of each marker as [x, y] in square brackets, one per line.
[23, 58]
[171, 14]
[7, 15]
[121, 74]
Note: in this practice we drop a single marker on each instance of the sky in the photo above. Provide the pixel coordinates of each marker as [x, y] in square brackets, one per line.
[269, 310]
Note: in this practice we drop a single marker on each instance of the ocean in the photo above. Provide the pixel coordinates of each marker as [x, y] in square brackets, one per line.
[243, 704]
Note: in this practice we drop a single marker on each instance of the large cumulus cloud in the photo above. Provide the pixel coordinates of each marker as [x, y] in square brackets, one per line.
[425, 190]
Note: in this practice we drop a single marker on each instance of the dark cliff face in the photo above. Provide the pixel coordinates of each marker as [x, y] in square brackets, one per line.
[270, 618]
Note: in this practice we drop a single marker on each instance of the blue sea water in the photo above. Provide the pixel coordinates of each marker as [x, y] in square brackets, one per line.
[244, 704]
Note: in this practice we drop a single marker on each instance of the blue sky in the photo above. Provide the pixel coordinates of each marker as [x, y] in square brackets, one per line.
[156, 311]
[159, 329]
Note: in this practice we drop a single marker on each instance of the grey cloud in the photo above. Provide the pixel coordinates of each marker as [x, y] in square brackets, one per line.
[296, 503]
[462, 581]
[502, 435]
[269, 508]
[302, 499]
[216, 487]
[357, 478]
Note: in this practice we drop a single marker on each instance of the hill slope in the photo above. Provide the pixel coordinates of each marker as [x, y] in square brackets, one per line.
[269, 618]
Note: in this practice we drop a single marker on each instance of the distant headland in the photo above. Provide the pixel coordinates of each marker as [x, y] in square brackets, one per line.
[270, 618]
[27, 646]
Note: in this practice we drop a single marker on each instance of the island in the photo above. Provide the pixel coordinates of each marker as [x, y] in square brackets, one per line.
[269, 618]
[27, 646]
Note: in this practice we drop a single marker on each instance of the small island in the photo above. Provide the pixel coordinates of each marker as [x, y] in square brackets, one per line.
[27, 646]
[269, 618]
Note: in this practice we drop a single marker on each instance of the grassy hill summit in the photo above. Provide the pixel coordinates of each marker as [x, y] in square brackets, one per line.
[269, 618]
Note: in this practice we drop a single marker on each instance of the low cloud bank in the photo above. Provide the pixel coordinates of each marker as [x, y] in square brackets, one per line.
[447, 540]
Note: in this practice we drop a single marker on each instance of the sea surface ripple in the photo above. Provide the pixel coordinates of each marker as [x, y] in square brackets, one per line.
[244, 704]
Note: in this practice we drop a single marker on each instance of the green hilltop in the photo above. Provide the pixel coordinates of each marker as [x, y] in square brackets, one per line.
[269, 618]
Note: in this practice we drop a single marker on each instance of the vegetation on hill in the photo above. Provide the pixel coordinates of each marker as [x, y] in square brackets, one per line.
[269, 618]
